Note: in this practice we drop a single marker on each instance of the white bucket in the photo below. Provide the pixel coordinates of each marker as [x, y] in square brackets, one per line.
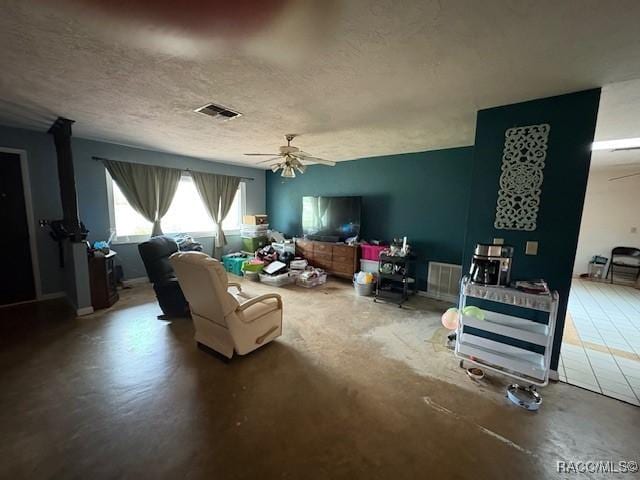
[363, 289]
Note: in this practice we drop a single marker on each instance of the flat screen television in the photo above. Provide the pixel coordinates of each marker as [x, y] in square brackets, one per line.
[331, 219]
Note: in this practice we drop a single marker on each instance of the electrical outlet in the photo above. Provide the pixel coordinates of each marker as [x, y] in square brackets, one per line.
[498, 241]
[531, 248]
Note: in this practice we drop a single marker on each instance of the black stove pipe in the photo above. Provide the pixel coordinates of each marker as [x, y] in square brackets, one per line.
[61, 131]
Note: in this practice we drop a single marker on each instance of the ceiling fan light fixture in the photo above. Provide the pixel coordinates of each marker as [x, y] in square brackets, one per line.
[290, 159]
[287, 172]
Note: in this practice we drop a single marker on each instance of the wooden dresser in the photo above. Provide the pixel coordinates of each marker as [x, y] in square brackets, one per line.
[335, 258]
[102, 278]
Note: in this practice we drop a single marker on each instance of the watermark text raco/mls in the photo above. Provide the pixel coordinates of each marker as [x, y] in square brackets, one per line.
[597, 466]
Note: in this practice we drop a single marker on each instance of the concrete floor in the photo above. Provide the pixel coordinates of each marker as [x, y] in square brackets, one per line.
[352, 389]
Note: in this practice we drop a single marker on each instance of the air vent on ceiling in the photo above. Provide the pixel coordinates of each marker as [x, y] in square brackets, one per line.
[214, 110]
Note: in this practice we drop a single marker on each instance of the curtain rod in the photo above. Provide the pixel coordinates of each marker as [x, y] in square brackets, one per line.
[244, 179]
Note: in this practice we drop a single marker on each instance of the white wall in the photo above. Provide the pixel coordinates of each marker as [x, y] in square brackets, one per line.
[611, 211]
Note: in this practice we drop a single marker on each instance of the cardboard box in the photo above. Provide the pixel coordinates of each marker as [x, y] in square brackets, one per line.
[254, 219]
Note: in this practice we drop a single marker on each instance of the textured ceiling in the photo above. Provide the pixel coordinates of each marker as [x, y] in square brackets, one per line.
[357, 78]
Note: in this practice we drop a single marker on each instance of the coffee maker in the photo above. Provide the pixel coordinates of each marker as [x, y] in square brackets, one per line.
[491, 264]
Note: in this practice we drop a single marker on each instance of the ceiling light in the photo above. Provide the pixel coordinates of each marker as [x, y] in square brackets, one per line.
[288, 172]
[300, 167]
[622, 144]
[275, 168]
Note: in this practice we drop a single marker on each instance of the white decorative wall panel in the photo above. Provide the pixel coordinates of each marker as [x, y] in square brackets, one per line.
[523, 160]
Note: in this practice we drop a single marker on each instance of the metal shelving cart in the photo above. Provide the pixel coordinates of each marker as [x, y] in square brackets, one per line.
[514, 346]
[396, 286]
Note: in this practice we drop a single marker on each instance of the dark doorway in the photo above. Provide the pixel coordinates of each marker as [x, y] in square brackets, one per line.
[17, 282]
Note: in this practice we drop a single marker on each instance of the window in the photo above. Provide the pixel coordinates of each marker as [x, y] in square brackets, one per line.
[187, 213]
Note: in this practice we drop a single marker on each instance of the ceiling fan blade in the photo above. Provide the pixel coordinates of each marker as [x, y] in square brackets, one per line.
[321, 161]
[261, 154]
[268, 160]
[300, 167]
[624, 176]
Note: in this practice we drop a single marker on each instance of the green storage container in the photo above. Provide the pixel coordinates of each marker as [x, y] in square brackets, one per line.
[233, 264]
[252, 267]
[253, 244]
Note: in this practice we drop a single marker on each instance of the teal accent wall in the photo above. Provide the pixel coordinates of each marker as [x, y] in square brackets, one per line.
[421, 195]
[92, 193]
[573, 120]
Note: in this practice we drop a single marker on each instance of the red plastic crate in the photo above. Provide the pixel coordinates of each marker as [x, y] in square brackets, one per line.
[371, 252]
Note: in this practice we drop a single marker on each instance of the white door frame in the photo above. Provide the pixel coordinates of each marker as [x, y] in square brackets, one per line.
[26, 187]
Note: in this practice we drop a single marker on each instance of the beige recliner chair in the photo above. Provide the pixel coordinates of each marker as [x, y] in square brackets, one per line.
[225, 322]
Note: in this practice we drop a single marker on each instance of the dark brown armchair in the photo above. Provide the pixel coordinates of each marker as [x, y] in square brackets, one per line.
[155, 254]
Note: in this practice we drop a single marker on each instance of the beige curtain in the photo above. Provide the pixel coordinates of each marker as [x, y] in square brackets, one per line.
[148, 189]
[217, 193]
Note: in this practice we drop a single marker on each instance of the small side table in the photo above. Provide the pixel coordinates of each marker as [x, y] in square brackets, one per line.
[102, 278]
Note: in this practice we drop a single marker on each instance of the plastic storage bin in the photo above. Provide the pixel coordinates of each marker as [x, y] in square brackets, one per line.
[312, 282]
[253, 276]
[253, 244]
[277, 280]
[253, 231]
[233, 264]
[370, 266]
[252, 267]
[371, 252]
[284, 247]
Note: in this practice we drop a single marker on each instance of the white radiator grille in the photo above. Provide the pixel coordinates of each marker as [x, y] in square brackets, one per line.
[443, 281]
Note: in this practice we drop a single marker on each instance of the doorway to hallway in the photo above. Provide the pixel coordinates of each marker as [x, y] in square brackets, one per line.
[18, 283]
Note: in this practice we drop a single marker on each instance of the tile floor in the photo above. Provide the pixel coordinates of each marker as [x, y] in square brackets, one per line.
[601, 344]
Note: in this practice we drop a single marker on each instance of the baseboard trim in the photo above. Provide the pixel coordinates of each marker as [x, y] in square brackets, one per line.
[81, 312]
[41, 298]
[51, 296]
[135, 281]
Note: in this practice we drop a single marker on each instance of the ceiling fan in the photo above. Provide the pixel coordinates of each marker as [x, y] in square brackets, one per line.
[290, 159]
